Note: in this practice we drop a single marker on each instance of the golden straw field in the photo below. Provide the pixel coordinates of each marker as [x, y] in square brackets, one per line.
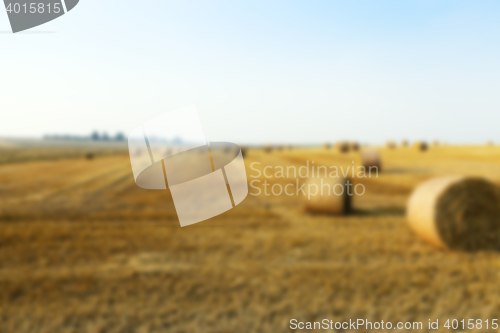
[83, 249]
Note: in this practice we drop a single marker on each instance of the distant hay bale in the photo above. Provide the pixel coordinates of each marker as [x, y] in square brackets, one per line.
[405, 143]
[342, 147]
[370, 159]
[267, 148]
[354, 146]
[457, 213]
[435, 143]
[334, 198]
[421, 145]
[490, 143]
[89, 155]
[279, 147]
[327, 145]
[391, 144]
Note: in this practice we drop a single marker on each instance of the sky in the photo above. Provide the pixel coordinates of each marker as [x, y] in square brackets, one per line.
[260, 71]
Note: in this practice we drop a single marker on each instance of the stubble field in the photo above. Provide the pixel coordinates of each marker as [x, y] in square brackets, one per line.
[83, 249]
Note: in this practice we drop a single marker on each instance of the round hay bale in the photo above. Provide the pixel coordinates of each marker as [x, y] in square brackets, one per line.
[421, 145]
[89, 155]
[327, 145]
[267, 148]
[405, 143]
[279, 147]
[457, 213]
[328, 196]
[435, 143]
[343, 147]
[354, 146]
[391, 144]
[370, 159]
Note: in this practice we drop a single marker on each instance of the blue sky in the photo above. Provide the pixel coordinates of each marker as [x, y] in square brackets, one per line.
[260, 71]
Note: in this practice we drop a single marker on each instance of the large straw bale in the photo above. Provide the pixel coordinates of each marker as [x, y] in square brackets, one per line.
[456, 213]
[391, 144]
[334, 198]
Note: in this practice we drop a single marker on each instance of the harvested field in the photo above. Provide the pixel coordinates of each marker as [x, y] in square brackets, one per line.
[83, 249]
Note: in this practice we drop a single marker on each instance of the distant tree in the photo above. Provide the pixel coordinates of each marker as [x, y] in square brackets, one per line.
[105, 136]
[95, 136]
[120, 136]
